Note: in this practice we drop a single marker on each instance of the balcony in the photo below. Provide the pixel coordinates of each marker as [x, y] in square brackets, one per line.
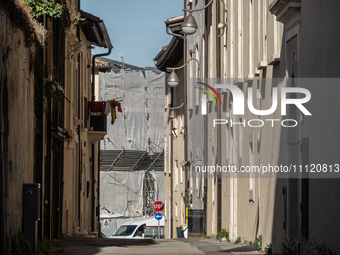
[97, 120]
[97, 129]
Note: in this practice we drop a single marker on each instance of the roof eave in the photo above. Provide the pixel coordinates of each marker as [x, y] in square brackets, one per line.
[95, 30]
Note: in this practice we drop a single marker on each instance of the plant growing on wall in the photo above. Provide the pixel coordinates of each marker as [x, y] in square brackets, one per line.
[187, 202]
[316, 248]
[238, 240]
[223, 233]
[258, 241]
[45, 246]
[19, 245]
[49, 7]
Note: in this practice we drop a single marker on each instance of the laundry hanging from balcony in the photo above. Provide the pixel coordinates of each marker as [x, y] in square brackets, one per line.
[96, 107]
[110, 106]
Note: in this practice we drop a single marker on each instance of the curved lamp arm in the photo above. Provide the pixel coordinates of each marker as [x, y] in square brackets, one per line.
[174, 108]
[173, 79]
[176, 68]
[196, 10]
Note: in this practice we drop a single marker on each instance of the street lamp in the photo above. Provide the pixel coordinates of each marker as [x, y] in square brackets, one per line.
[173, 78]
[186, 165]
[189, 25]
[172, 114]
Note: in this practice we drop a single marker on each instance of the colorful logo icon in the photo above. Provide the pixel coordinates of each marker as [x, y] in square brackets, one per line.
[204, 97]
[209, 93]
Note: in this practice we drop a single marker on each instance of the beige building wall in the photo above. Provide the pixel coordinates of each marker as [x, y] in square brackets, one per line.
[80, 162]
[259, 40]
[250, 43]
[257, 44]
[39, 121]
[251, 37]
[175, 178]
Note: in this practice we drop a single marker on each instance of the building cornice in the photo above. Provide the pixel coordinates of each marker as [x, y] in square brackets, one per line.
[282, 7]
[277, 5]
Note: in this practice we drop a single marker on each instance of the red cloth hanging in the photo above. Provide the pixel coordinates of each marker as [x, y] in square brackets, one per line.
[96, 107]
[114, 104]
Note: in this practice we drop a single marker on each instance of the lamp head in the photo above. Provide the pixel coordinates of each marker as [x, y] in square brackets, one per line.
[172, 114]
[189, 25]
[186, 165]
[173, 79]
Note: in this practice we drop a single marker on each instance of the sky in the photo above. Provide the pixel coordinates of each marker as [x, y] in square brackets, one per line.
[136, 28]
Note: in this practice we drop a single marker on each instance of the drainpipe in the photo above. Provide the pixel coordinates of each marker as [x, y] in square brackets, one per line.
[205, 74]
[93, 69]
[219, 130]
[171, 170]
[169, 33]
[185, 108]
[93, 98]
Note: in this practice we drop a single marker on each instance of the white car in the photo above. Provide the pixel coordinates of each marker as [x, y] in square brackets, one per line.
[141, 228]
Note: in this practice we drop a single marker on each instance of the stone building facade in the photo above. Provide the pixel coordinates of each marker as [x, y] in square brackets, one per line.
[263, 45]
[45, 84]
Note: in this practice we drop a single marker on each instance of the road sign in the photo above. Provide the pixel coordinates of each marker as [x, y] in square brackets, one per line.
[158, 216]
[157, 206]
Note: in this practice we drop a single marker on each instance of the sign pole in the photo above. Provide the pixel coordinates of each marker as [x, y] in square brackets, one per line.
[158, 207]
[159, 231]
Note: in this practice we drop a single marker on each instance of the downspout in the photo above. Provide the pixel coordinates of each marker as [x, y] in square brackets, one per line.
[98, 150]
[171, 169]
[219, 129]
[40, 143]
[205, 74]
[93, 99]
[169, 33]
[185, 108]
[93, 69]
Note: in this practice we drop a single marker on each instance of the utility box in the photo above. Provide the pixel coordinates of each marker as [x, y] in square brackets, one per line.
[31, 213]
[195, 221]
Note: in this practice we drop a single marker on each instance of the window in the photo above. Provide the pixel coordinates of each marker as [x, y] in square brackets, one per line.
[140, 231]
[125, 230]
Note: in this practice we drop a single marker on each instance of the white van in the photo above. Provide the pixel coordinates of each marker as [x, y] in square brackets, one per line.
[141, 228]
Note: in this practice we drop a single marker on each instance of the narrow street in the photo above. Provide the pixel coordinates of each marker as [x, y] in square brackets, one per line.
[153, 121]
[91, 246]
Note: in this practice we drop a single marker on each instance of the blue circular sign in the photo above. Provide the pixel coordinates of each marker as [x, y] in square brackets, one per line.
[158, 216]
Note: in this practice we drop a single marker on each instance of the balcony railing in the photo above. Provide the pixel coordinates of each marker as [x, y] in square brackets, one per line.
[97, 123]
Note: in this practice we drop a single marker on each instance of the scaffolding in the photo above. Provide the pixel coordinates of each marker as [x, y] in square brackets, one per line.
[132, 179]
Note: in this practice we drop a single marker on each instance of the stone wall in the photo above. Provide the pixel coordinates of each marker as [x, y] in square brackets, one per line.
[18, 61]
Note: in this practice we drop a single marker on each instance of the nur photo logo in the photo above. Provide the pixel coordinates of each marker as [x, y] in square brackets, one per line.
[239, 103]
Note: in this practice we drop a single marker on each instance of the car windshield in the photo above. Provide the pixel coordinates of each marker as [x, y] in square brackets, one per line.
[125, 230]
